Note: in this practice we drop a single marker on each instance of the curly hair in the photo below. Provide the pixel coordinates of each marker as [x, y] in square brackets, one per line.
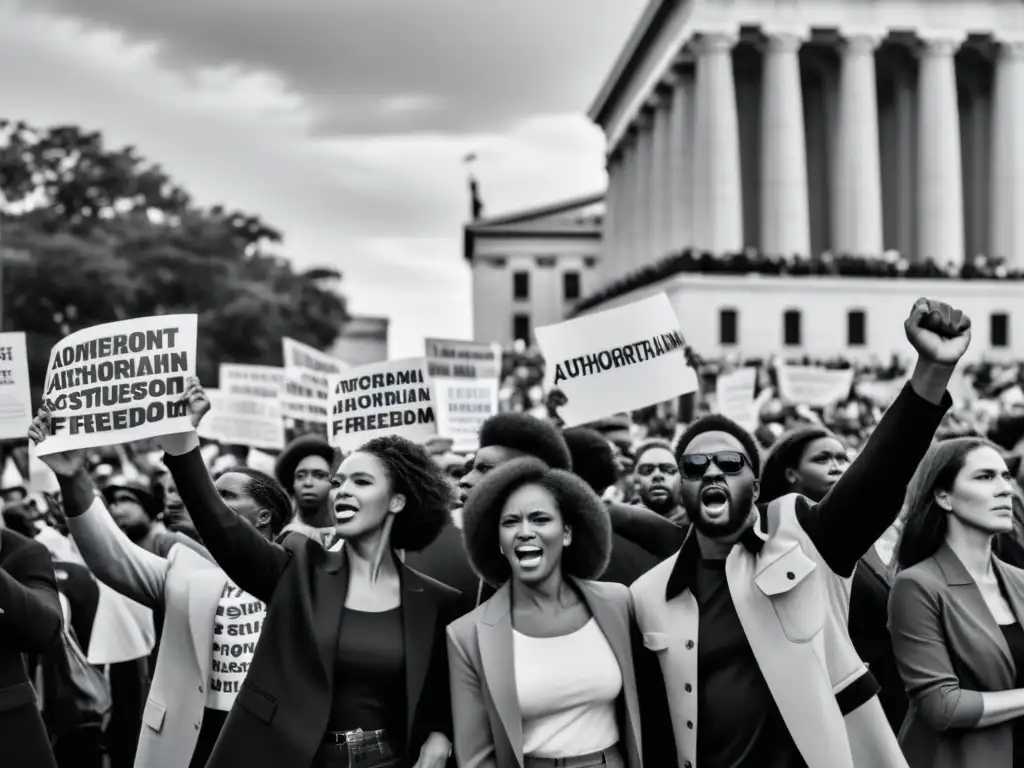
[582, 510]
[266, 492]
[527, 434]
[428, 494]
[718, 423]
[592, 457]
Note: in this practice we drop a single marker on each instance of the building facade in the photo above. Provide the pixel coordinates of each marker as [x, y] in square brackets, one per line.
[363, 340]
[803, 126]
[529, 268]
[824, 317]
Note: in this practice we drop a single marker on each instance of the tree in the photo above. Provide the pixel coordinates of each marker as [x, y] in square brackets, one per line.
[114, 237]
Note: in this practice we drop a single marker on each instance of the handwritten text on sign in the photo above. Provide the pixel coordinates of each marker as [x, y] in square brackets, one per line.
[466, 380]
[120, 382]
[15, 394]
[263, 381]
[252, 421]
[236, 630]
[306, 388]
[618, 360]
[389, 398]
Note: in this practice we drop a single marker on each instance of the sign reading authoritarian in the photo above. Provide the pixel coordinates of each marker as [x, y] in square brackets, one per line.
[390, 398]
[466, 377]
[15, 393]
[617, 360]
[119, 382]
[306, 388]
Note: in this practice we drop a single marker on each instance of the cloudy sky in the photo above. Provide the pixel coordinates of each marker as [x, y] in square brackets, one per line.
[341, 122]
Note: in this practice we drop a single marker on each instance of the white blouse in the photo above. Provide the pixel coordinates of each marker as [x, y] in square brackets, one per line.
[567, 690]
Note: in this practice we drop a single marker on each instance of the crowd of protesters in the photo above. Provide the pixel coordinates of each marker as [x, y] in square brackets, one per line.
[837, 587]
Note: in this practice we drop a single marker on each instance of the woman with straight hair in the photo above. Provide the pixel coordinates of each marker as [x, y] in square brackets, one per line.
[956, 613]
[542, 674]
[351, 667]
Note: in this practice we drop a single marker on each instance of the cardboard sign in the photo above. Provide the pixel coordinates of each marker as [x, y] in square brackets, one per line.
[813, 386]
[264, 381]
[465, 375]
[390, 398]
[120, 382]
[618, 360]
[734, 394]
[15, 394]
[235, 420]
[306, 386]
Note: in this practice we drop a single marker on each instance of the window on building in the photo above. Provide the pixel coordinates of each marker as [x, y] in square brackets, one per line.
[521, 327]
[590, 262]
[999, 329]
[547, 262]
[728, 327]
[520, 285]
[498, 262]
[791, 328]
[571, 286]
[856, 328]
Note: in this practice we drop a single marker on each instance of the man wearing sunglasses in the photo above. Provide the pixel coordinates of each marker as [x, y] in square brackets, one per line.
[748, 618]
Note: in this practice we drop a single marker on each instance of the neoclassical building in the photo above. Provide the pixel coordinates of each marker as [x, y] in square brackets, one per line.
[803, 126]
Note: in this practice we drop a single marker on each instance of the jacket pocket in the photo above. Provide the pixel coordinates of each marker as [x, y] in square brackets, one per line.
[261, 705]
[153, 715]
[655, 641]
[793, 586]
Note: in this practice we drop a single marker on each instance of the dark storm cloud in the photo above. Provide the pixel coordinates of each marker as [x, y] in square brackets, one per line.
[393, 66]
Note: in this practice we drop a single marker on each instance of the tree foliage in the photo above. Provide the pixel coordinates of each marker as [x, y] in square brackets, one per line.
[111, 237]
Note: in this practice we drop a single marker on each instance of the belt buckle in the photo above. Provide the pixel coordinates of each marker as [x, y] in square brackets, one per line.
[354, 738]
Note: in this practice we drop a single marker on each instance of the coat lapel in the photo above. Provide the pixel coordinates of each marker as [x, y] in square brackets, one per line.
[615, 628]
[329, 589]
[419, 617]
[204, 592]
[1014, 588]
[494, 636]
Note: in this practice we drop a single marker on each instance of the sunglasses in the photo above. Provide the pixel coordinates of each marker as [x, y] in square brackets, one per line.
[694, 465]
[648, 469]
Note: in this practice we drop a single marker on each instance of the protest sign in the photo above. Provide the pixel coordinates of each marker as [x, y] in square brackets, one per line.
[465, 376]
[618, 360]
[305, 390]
[15, 395]
[390, 398]
[120, 382]
[263, 381]
[236, 420]
[734, 394]
[813, 386]
[236, 630]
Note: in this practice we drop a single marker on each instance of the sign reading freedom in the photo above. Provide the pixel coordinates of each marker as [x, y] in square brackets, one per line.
[119, 382]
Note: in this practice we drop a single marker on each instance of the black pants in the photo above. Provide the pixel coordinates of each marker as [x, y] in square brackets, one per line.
[370, 755]
[82, 748]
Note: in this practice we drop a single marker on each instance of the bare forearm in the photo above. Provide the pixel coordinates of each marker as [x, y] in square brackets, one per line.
[1000, 706]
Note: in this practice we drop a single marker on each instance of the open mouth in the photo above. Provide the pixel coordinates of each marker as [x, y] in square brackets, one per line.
[529, 557]
[343, 512]
[714, 498]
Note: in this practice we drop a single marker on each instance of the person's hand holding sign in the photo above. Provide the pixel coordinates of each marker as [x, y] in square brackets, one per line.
[66, 464]
[198, 406]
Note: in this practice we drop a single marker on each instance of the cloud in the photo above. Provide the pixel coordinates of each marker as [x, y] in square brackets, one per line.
[342, 124]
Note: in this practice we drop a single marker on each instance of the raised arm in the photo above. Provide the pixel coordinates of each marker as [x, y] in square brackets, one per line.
[30, 612]
[869, 496]
[474, 742]
[113, 558]
[919, 644]
[251, 561]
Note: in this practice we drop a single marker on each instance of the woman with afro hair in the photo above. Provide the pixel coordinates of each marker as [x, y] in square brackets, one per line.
[544, 670]
[351, 668]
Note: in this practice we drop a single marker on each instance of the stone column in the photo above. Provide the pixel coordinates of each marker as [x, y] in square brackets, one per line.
[857, 173]
[1007, 174]
[625, 200]
[785, 215]
[680, 164]
[659, 175]
[642, 234]
[940, 218]
[718, 196]
[612, 215]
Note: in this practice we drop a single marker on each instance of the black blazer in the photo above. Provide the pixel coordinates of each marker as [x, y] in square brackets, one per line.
[869, 631]
[30, 622]
[280, 715]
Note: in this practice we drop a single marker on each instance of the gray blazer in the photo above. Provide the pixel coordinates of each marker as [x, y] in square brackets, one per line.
[187, 588]
[950, 650]
[485, 707]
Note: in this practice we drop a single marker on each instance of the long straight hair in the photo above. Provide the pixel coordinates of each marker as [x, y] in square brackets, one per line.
[926, 522]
